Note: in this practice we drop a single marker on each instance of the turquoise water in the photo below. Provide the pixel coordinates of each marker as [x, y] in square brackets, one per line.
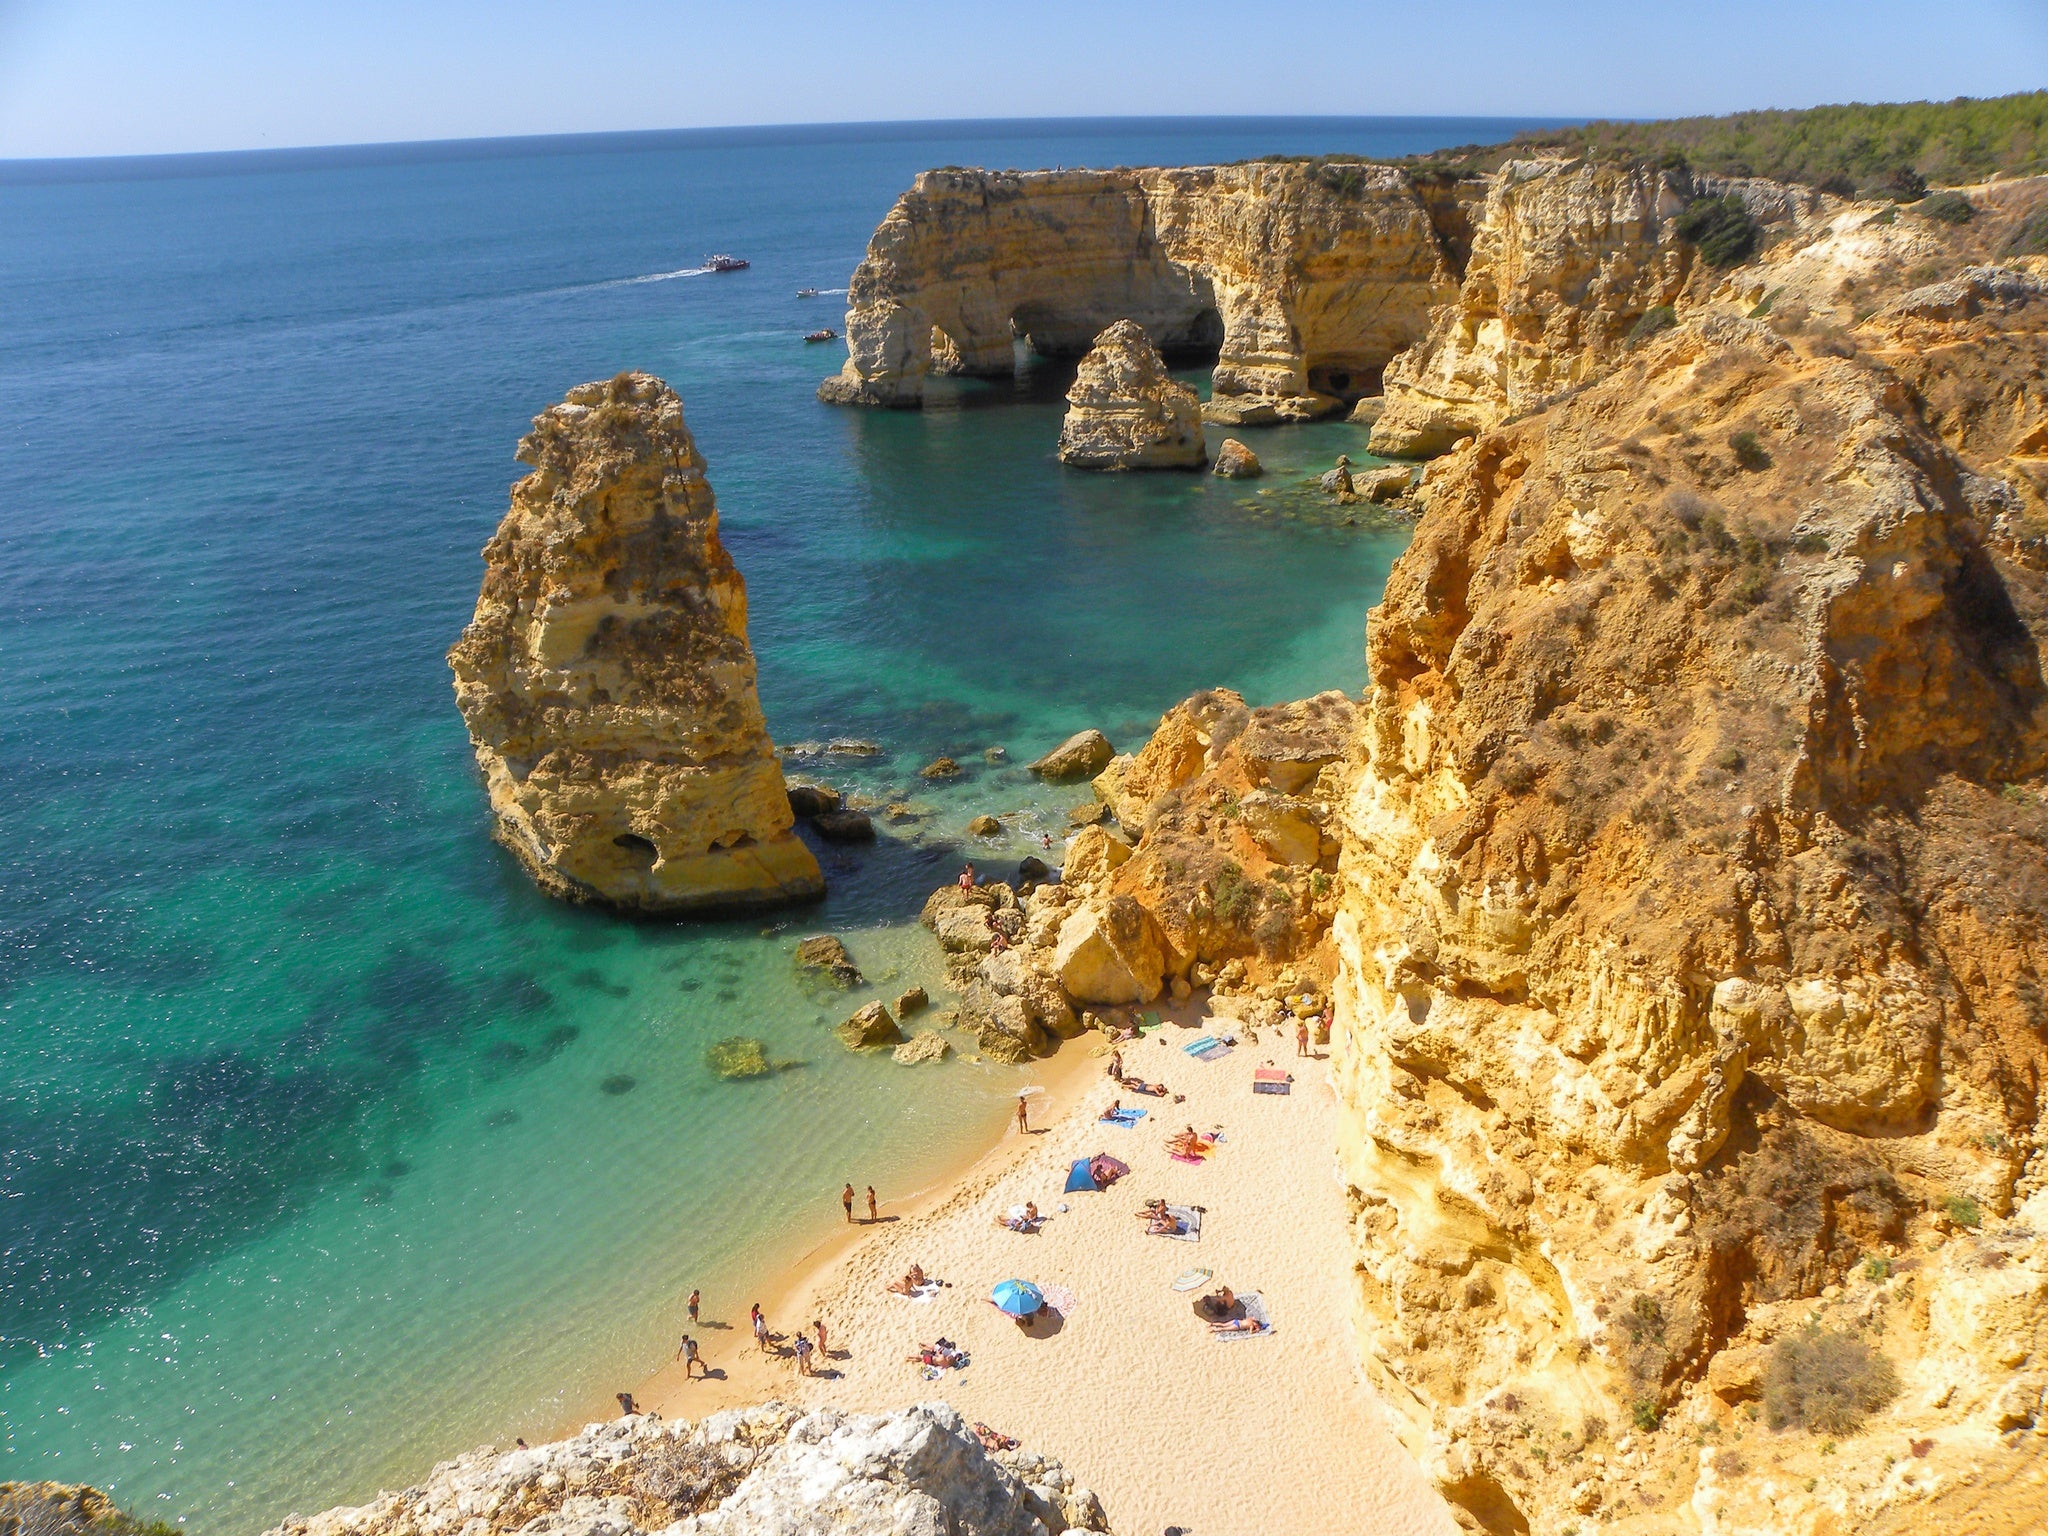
[327, 1146]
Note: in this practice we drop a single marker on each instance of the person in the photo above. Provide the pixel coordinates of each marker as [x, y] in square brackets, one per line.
[695, 1298]
[1045, 839]
[873, 1214]
[520, 1441]
[1219, 1303]
[760, 1328]
[692, 1358]
[1163, 1224]
[819, 1324]
[626, 1405]
[803, 1355]
[993, 1440]
[1239, 1325]
[966, 881]
[1116, 1065]
[1023, 1116]
[1115, 1108]
[846, 1199]
[1187, 1144]
[997, 944]
[912, 1280]
[1301, 1037]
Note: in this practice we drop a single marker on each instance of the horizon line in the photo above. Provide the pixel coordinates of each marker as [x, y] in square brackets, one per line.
[205, 162]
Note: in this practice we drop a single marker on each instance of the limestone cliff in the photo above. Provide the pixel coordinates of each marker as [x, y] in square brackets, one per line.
[1566, 258]
[606, 678]
[767, 1471]
[1695, 888]
[1126, 411]
[1303, 279]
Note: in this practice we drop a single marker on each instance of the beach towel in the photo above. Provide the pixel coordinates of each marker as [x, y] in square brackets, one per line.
[1124, 1117]
[924, 1292]
[1251, 1304]
[1060, 1299]
[1193, 1279]
[1272, 1080]
[1200, 1044]
[1182, 1157]
[1190, 1221]
[1216, 1052]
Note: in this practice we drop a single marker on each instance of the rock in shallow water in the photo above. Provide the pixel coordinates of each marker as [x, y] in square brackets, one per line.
[606, 678]
[1080, 756]
[1234, 461]
[1126, 411]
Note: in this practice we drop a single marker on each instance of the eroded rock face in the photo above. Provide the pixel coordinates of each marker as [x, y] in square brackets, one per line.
[606, 678]
[772, 1470]
[1566, 258]
[1125, 410]
[1304, 279]
[1694, 843]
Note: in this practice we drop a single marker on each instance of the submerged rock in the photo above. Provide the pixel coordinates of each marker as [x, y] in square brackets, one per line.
[984, 826]
[738, 1058]
[827, 958]
[1080, 756]
[813, 799]
[940, 768]
[1234, 461]
[912, 1000]
[845, 826]
[1126, 411]
[606, 679]
[925, 1045]
[1337, 482]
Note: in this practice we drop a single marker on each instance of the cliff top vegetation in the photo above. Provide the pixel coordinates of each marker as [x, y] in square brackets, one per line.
[1886, 149]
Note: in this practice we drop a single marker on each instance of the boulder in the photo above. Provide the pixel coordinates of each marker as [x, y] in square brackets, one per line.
[826, 958]
[948, 898]
[925, 1045]
[1092, 856]
[1126, 411]
[607, 582]
[1284, 828]
[1234, 461]
[994, 755]
[845, 827]
[963, 930]
[1337, 482]
[1090, 814]
[912, 1000]
[869, 1028]
[1111, 952]
[1367, 411]
[940, 768]
[1383, 485]
[812, 799]
[1031, 869]
[985, 826]
[843, 746]
[1081, 756]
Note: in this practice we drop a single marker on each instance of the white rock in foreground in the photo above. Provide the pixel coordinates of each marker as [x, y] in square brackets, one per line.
[766, 1471]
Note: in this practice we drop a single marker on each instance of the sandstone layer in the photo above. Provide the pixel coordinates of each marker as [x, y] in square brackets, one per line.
[1126, 411]
[774, 1470]
[606, 678]
[1301, 280]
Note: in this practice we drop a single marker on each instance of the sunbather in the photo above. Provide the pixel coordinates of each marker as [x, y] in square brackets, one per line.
[1026, 1220]
[911, 1283]
[944, 1354]
[1165, 1225]
[1139, 1085]
[1115, 1109]
[1189, 1143]
[1239, 1325]
[992, 1440]
[1218, 1304]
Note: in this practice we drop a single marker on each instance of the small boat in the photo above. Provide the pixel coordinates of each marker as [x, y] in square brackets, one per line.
[828, 334]
[725, 263]
[807, 293]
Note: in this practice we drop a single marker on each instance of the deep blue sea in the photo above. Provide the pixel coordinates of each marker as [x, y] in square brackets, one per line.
[328, 1146]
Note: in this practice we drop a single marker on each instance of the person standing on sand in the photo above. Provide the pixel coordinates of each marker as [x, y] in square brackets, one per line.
[967, 878]
[687, 1352]
[760, 1329]
[819, 1324]
[1116, 1065]
[846, 1199]
[1023, 1117]
[1301, 1037]
[803, 1355]
[626, 1404]
[695, 1297]
[873, 1214]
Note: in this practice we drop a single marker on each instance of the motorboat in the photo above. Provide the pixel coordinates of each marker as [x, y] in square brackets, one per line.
[807, 293]
[828, 334]
[725, 263]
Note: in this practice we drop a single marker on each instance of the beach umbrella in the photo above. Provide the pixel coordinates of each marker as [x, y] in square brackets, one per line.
[1019, 1298]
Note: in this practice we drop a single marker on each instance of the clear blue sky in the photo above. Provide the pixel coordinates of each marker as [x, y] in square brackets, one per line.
[139, 76]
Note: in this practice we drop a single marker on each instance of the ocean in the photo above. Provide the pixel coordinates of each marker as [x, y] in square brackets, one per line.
[328, 1146]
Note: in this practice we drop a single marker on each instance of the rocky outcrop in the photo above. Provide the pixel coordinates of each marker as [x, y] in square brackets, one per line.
[606, 678]
[1693, 854]
[1302, 280]
[1126, 411]
[1234, 461]
[773, 1470]
[63, 1509]
[1081, 756]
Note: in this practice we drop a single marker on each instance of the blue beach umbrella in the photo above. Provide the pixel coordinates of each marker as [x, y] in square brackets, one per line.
[1019, 1298]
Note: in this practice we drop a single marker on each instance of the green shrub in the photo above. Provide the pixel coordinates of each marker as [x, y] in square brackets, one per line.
[1722, 229]
[1877, 1267]
[1963, 1211]
[1646, 1413]
[1947, 208]
[1660, 318]
[2031, 238]
[1901, 183]
[1826, 1383]
[1749, 450]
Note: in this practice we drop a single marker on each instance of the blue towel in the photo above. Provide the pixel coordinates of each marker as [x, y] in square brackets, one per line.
[1196, 1047]
[1216, 1051]
[1125, 1118]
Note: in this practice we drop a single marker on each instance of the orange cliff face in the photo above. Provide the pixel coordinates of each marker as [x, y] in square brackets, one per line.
[606, 678]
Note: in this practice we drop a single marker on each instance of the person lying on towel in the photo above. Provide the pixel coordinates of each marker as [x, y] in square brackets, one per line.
[1027, 1221]
[1139, 1085]
[1188, 1143]
[1164, 1225]
[911, 1282]
[1239, 1325]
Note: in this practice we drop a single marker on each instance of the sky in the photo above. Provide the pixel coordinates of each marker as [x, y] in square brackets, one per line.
[97, 77]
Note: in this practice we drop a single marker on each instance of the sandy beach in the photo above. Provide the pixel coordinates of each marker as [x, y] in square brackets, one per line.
[1169, 1425]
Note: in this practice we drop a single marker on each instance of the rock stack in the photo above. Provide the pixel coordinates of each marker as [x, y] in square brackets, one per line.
[1125, 410]
[606, 678]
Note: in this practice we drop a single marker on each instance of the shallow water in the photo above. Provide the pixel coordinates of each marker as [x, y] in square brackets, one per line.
[328, 1146]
